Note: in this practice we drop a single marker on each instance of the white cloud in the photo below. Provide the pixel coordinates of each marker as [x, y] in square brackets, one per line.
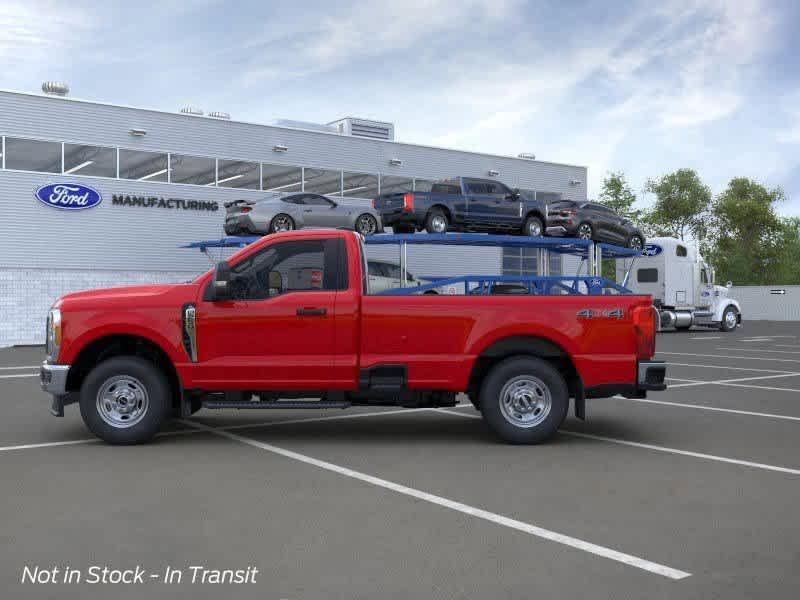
[31, 34]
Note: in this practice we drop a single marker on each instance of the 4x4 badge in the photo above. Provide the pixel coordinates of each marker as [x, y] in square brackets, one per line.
[588, 313]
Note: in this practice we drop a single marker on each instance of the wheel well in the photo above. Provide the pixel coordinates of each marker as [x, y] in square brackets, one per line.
[444, 209]
[522, 346]
[535, 213]
[123, 345]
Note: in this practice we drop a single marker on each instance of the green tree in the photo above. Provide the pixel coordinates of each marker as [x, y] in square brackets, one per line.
[749, 243]
[618, 195]
[681, 205]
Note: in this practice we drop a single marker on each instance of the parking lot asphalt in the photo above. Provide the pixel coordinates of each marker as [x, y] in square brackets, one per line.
[692, 493]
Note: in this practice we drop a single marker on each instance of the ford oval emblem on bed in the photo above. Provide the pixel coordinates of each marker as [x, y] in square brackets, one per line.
[652, 250]
[69, 196]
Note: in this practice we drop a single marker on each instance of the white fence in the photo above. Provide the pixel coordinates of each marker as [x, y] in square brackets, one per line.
[768, 302]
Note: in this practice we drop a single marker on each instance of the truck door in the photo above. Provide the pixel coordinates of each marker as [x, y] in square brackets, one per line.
[478, 202]
[278, 331]
[504, 206]
[705, 289]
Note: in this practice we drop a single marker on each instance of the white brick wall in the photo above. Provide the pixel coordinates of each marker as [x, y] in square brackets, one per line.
[27, 294]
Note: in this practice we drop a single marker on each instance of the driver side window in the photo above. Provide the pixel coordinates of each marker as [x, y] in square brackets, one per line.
[300, 266]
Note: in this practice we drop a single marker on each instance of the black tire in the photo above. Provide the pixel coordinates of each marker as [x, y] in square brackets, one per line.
[534, 227]
[116, 372]
[543, 376]
[366, 224]
[277, 223]
[636, 242]
[723, 326]
[437, 221]
[430, 293]
[584, 227]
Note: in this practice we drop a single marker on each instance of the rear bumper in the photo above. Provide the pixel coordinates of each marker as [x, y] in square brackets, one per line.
[399, 217]
[650, 375]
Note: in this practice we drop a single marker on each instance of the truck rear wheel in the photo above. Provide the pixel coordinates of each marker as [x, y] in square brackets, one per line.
[436, 222]
[524, 400]
[124, 400]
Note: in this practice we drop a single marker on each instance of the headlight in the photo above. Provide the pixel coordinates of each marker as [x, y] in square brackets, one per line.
[53, 334]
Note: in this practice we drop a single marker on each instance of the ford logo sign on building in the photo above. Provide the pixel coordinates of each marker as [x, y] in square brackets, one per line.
[68, 196]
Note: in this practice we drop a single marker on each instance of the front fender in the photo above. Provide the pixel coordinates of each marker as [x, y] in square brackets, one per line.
[78, 335]
[723, 304]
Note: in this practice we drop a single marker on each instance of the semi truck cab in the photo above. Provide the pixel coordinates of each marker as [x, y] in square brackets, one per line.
[683, 286]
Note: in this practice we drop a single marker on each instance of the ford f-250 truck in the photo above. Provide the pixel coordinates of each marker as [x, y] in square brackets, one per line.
[286, 323]
[464, 204]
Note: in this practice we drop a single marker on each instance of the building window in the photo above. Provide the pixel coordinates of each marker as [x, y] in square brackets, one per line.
[396, 185]
[238, 174]
[280, 178]
[33, 155]
[323, 181]
[144, 166]
[360, 185]
[90, 160]
[195, 170]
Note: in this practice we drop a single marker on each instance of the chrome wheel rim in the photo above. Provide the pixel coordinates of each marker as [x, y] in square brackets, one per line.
[366, 225]
[636, 243]
[585, 232]
[730, 319]
[282, 223]
[534, 228]
[439, 223]
[122, 401]
[525, 401]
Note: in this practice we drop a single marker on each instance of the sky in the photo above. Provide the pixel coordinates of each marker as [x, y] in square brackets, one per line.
[639, 87]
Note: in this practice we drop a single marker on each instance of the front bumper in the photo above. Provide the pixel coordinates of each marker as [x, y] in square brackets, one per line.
[53, 379]
[236, 224]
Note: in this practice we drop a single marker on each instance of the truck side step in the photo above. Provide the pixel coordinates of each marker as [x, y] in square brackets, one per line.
[292, 404]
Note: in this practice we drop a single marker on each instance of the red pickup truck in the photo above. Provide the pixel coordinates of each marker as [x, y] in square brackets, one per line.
[286, 323]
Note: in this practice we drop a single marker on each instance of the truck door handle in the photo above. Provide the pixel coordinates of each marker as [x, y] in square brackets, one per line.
[311, 312]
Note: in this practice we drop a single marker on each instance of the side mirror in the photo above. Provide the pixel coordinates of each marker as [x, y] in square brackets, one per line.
[333, 204]
[221, 283]
[729, 285]
[514, 195]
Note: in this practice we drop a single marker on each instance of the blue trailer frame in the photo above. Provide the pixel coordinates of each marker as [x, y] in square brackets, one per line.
[541, 284]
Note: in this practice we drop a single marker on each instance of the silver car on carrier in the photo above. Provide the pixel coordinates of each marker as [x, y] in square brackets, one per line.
[284, 212]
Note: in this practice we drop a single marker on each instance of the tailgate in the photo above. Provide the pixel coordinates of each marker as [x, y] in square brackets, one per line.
[389, 203]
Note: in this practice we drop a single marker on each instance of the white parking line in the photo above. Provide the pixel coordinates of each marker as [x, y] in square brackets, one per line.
[791, 360]
[748, 413]
[222, 428]
[694, 382]
[18, 376]
[473, 511]
[786, 345]
[761, 350]
[728, 367]
[712, 457]
[711, 337]
[19, 368]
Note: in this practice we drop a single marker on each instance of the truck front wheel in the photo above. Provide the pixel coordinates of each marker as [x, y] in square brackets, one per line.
[124, 400]
[730, 319]
[524, 400]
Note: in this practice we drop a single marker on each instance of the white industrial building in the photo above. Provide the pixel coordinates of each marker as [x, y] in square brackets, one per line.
[177, 169]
